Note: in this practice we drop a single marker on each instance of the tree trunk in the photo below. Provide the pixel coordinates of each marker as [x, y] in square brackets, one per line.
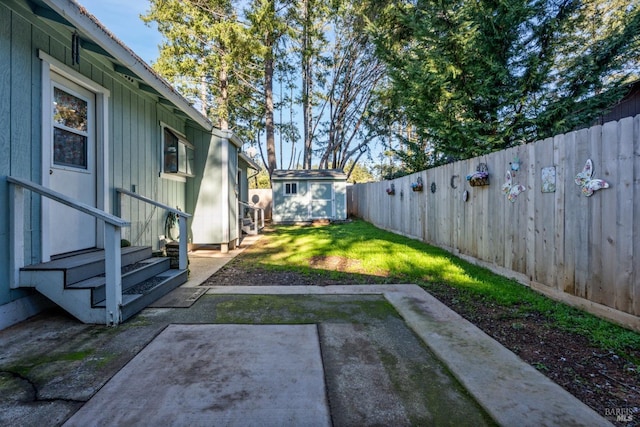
[307, 81]
[269, 123]
[223, 108]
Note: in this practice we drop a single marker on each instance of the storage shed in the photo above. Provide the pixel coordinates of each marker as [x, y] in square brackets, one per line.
[307, 195]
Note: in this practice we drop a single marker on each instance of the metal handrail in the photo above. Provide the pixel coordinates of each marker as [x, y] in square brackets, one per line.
[66, 200]
[153, 202]
[256, 210]
[182, 222]
[112, 238]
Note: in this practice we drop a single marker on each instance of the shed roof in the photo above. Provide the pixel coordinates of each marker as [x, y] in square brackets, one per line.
[332, 174]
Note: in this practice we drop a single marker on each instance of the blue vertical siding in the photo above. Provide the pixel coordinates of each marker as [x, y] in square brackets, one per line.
[134, 133]
[5, 140]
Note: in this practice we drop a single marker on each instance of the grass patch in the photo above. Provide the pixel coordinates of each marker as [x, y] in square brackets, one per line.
[384, 257]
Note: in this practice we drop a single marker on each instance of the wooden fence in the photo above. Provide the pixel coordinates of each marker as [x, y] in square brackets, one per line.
[578, 249]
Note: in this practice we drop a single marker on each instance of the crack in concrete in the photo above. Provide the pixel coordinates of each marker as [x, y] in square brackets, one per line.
[35, 392]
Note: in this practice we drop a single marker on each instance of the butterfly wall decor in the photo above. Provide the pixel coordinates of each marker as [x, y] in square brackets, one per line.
[510, 189]
[589, 185]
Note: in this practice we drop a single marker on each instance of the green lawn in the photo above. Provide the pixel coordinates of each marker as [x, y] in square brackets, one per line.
[389, 258]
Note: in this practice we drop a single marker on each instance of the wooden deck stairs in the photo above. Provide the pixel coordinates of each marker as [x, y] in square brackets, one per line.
[77, 283]
[249, 226]
[251, 219]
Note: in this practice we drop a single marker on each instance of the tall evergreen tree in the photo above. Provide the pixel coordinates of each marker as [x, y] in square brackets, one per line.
[311, 26]
[204, 54]
[268, 28]
[478, 76]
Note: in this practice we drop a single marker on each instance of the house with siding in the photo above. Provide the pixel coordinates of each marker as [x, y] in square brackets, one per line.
[627, 106]
[104, 165]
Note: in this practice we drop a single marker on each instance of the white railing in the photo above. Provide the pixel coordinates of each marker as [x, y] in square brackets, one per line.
[182, 222]
[112, 238]
[258, 215]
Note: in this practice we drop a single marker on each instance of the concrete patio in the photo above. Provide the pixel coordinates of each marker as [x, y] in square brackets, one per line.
[287, 355]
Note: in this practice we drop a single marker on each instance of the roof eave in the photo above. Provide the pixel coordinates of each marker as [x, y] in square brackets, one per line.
[253, 165]
[80, 18]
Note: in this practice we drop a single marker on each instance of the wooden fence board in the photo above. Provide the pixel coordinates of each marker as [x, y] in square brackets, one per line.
[496, 230]
[519, 210]
[457, 189]
[605, 209]
[444, 219]
[545, 219]
[483, 218]
[559, 159]
[635, 281]
[575, 246]
[580, 213]
[529, 163]
[624, 222]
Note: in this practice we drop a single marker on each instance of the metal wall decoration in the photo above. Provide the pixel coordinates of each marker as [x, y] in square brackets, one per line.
[453, 181]
[417, 186]
[549, 179]
[515, 164]
[480, 177]
[510, 189]
[433, 187]
[465, 195]
[587, 183]
[391, 190]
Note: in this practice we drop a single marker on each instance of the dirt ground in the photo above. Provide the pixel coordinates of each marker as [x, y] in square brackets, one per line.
[605, 381]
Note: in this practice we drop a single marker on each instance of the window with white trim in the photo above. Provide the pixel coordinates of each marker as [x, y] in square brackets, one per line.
[290, 188]
[177, 153]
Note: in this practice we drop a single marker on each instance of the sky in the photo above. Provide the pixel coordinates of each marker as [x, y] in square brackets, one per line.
[122, 18]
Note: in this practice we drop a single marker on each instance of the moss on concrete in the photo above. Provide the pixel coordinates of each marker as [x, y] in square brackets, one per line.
[301, 309]
[27, 365]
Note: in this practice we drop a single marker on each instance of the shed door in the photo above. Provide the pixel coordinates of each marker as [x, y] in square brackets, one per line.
[71, 165]
[322, 205]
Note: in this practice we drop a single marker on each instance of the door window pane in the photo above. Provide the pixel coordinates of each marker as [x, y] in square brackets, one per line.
[69, 149]
[69, 110]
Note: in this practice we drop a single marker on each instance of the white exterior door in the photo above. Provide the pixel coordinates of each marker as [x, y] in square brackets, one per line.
[71, 165]
[322, 200]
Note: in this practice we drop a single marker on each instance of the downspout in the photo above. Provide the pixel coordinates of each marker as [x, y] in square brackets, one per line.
[252, 176]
